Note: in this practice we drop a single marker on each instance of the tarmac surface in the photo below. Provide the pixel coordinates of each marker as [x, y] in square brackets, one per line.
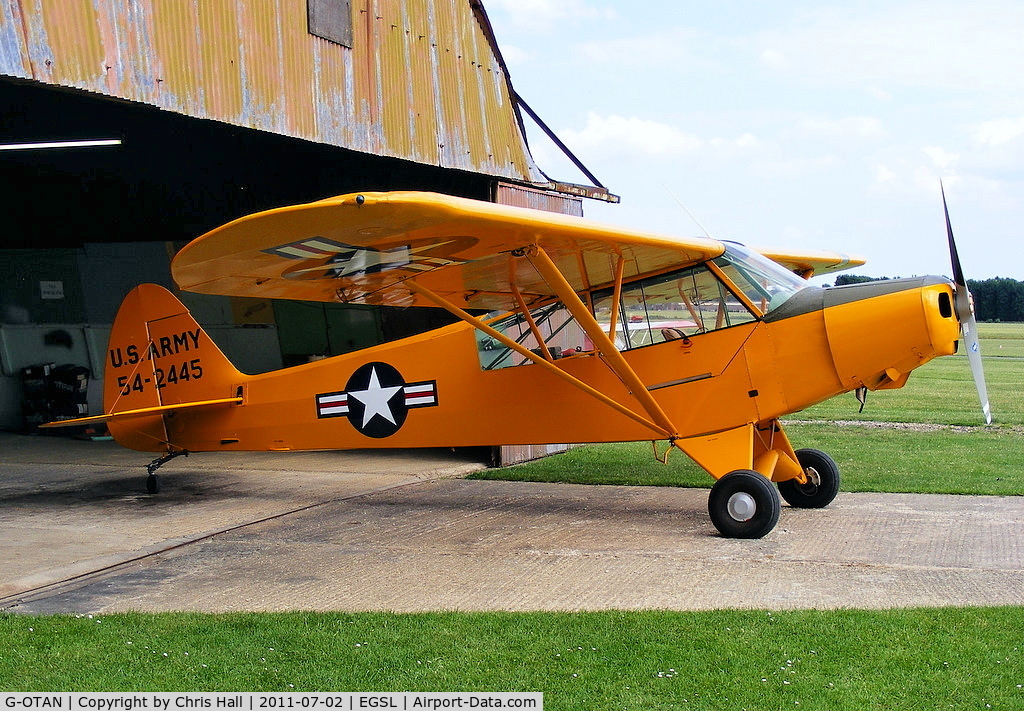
[403, 531]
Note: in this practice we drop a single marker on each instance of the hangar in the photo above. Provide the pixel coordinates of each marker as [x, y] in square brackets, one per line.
[130, 128]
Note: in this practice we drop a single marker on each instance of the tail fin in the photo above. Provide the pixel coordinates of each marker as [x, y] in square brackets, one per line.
[159, 357]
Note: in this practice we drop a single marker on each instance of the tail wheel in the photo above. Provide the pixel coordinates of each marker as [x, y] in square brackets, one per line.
[822, 481]
[744, 504]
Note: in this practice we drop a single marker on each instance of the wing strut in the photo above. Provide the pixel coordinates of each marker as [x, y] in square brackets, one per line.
[529, 320]
[563, 289]
[617, 296]
[539, 360]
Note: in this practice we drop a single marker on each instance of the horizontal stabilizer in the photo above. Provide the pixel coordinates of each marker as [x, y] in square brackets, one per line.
[141, 412]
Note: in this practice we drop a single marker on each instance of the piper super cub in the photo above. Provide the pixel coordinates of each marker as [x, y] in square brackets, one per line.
[570, 331]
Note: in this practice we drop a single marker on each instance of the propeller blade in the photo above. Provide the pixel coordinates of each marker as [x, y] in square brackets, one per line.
[958, 272]
[969, 329]
[964, 304]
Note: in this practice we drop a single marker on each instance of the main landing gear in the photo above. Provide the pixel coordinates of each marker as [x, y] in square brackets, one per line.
[153, 479]
[744, 504]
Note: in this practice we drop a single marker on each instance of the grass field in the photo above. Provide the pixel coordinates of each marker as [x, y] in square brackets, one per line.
[850, 659]
[912, 659]
[942, 461]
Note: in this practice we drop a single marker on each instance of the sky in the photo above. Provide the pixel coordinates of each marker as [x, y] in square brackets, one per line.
[816, 125]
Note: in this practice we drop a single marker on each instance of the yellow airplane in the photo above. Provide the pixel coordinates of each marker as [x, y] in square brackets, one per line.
[570, 331]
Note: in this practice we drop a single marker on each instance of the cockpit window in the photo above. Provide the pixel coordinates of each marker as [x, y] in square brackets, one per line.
[679, 304]
[766, 283]
[670, 306]
[562, 337]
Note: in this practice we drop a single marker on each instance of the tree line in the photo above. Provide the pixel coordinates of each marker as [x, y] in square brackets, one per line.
[995, 300]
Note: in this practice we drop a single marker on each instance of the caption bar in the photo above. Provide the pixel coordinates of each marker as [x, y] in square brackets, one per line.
[261, 701]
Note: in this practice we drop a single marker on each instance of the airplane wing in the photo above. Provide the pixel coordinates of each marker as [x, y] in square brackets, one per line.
[812, 263]
[360, 248]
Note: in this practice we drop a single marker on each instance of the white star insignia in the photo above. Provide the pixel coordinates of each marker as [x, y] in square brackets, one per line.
[368, 260]
[375, 399]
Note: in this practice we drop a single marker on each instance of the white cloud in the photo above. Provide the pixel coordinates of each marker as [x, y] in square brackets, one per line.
[926, 178]
[941, 158]
[999, 132]
[515, 55]
[774, 59]
[544, 15]
[747, 140]
[849, 127]
[795, 168]
[922, 43]
[615, 135]
[826, 121]
[619, 134]
[884, 176]
[914, 173]
[877, 92]
[666, 48]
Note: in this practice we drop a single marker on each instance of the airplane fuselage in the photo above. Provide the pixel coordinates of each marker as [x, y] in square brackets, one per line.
[434, 390]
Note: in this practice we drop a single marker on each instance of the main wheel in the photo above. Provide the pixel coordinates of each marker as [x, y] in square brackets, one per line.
[744, 504]
[153, 484]
[822, 481]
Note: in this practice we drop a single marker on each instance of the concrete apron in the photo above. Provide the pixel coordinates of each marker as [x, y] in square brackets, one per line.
[389, 531]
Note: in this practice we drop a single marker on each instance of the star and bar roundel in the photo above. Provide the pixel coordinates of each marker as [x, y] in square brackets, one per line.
[322, 258]
[377, 400]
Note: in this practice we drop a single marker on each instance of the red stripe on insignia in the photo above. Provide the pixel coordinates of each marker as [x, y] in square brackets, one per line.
[421, 394]
[332, 405]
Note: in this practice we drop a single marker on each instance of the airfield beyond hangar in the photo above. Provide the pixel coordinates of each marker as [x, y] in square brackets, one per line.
[403, 531]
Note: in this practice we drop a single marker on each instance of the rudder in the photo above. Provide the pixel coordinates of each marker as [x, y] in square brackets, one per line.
[159, 355]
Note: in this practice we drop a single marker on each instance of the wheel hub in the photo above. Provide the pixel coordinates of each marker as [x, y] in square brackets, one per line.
[813, 477]
[741, 506]
[813, 481]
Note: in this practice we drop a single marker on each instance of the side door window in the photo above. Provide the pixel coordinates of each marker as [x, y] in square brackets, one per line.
[666, 307]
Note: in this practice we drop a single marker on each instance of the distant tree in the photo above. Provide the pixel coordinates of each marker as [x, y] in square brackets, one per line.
[845, 279]
[998, 299]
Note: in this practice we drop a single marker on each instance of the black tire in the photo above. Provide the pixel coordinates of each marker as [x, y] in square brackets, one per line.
[153, 484]
[822, 485]
[744, 504]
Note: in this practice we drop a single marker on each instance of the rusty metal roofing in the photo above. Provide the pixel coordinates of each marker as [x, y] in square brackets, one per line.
[422, 81]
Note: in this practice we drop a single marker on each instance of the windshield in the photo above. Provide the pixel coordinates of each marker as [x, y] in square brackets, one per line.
[766, 283]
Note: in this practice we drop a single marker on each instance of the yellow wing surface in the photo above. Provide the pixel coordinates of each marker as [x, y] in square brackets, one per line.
[360, 248]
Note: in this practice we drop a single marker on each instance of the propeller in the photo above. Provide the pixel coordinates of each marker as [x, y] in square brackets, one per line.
[964, 304]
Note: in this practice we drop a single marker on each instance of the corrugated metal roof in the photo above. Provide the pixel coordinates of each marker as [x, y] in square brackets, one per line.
[423, 80]
[520, 196]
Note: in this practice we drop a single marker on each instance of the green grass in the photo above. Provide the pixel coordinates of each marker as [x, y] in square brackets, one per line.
[921, 658]
[1002, 339]
[953, 460]
[945, 461]
[940, 392]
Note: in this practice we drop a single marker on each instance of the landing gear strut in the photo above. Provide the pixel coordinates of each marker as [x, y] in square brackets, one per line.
[153, 480]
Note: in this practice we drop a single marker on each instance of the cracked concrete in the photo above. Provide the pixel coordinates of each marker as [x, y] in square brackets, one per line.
[403, 531]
